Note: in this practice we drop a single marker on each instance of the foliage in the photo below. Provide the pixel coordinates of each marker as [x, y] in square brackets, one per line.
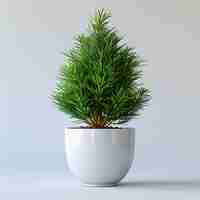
[98, 82]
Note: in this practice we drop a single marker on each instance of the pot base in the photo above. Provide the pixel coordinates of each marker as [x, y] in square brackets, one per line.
[100, 185]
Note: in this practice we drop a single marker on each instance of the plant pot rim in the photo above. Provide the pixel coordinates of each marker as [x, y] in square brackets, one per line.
[111, 128]
[99, 130]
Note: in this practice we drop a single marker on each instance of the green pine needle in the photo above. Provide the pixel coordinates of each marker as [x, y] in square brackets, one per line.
[98, 82]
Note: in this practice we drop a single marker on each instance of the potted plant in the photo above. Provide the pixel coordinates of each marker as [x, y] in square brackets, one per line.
[99, 86]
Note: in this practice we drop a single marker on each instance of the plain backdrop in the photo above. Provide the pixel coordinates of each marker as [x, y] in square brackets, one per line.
[33, 33]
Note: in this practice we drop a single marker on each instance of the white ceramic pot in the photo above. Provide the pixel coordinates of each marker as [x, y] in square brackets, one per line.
[99, 157]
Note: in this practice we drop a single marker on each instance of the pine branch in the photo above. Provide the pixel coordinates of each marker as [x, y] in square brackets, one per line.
[98, 82]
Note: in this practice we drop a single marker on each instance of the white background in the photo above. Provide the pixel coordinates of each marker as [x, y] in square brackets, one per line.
[33, 33]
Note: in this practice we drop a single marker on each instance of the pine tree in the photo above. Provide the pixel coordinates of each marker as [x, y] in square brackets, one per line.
[99, 80]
